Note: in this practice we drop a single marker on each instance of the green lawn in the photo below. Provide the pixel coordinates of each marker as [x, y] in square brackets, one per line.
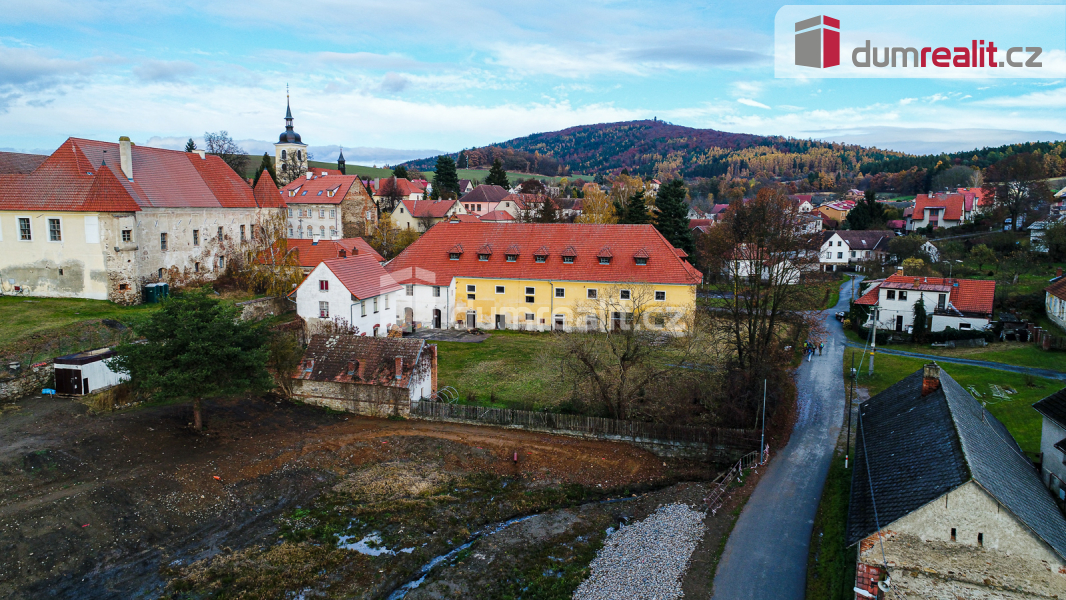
[1023, 354]
[510, 369]
[1015, 412]
[830, 565]
[23, 317]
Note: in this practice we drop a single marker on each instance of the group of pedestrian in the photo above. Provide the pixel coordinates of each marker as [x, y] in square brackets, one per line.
[809, 349]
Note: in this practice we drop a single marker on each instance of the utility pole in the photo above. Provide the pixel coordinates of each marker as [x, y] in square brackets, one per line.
[854, 375]
[873, 339]
[762, 438]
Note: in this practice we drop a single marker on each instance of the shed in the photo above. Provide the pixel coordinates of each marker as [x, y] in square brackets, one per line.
[86, 372]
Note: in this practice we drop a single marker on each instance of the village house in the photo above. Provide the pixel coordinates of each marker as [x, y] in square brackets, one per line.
[538, 277]
[945, 500]
[964, 304]
[100, 219]
[802, 202]
[465, 187]
[837, 210]
[496, 216]
[849, 249]
[420, 215]
[807, 223]
[355, 290]
[364, 375]
[312, 252]
[1053, 443]
[485, 199]
[1055, 300]
[744, 262]
[388, 192]
[327, 206]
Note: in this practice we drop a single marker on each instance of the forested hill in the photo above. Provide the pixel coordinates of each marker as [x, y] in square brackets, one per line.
[654, 147]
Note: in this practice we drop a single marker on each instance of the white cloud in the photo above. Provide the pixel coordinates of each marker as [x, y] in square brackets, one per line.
[164, 70]
[749, 102]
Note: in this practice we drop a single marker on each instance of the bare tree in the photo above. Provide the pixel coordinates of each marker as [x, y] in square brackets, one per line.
[269, 265]
[1017, 185]
[292, 167]
[222, 145]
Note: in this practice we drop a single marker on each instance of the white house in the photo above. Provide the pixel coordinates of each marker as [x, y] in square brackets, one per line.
[963, 304]
[354, 290]
[1055, 300]
[842, 249]
[1053, 443]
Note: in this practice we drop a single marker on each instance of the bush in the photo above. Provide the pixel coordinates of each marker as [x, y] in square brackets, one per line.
[952, 334]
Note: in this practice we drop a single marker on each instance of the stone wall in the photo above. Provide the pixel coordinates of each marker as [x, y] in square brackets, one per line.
[26, 382]
[357, 398]
[260, 308]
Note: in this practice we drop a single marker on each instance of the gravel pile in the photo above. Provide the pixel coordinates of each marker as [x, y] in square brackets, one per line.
[645, 560]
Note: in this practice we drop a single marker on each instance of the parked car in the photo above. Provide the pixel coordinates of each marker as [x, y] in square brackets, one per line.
[840, 315]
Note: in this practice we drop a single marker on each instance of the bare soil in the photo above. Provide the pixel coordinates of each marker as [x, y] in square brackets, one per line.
[134, 504]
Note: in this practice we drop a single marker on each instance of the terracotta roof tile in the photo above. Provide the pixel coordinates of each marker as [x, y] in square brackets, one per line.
[1058, 288]
[266, 193]
[429, 208]
[311, 254]
[13, 163]
[497, 215]
[967, 295]
[341, 358]
[951, 203]
[330, 189]
[362, 275]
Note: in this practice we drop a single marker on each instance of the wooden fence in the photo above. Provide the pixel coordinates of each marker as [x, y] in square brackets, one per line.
[711, 438]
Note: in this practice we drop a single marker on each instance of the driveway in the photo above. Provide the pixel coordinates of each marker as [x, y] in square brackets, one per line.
[1048, 373]
[766, 555]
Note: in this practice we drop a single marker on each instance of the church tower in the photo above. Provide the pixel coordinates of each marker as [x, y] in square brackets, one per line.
[290, 153]
[340, 162]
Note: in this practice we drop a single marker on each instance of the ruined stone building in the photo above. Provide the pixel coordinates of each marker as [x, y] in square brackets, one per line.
[366, 375]
[944, 504]
[100, 219]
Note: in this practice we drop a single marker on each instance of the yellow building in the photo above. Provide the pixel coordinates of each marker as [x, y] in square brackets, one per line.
[837, 211]
[544, 276]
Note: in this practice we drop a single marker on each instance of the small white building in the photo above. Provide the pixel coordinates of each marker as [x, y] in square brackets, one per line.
[354, 290]
[963, 304]
[86, 372]
[844, 248]
[1053, 443]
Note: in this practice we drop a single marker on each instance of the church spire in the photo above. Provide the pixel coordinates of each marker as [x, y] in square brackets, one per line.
[340, 162]
[288, 109]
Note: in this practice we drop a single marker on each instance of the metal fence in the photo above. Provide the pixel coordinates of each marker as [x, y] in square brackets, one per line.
[594, 426]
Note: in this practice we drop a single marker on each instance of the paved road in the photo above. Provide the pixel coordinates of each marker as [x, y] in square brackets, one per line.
[1048, 373]
[766, 555]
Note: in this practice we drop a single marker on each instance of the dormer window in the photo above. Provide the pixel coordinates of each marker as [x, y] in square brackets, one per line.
[605, 260]
[453, 256]
[512, 257]
[540, 258]
[642, 260]
[568, 259]
[483, 257]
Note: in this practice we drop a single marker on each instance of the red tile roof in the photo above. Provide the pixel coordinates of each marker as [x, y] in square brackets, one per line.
[427, 261]
[14, 163]
[1058, 288]
[497, 215]
[362, 275]
[951, 203]
[404, 187]
[317, 189]
[695, 223]
[458, 218]
[266, 193]
[311, 254]
[967, 295]
[429, 208]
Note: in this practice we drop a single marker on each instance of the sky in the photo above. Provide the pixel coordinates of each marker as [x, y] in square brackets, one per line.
[391, 81]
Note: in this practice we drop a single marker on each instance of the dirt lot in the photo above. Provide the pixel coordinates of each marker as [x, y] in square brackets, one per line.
[133, 504]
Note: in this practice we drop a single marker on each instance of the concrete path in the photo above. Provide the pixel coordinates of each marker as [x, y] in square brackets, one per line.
[766, 555]
[1048, 373]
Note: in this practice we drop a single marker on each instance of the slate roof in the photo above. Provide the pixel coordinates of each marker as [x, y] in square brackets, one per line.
[338, 358]
[1054, 407]
[14, 163]
[316, 190]
[485, 193]
[427, 260]
[919, 448]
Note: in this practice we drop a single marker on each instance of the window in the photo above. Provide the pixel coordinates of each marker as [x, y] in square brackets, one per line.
[160, 273]
[333, 213]
[483, 257]
[242, 233]
[531, 317]
[642, 260]
[127, 236]
[362, 307]
[375, 304]
[980, 539]
[479, 207]
[322, 231]
[310, 231]
[323, 285]
[24, 229]
[470, 297]
[290, 232]
[511, 257]
[220, 233]
[162, 241]
[290, 213]
[123, 287]
[222, 262]
[499, 289]
[890, 295]
[453, 256]
[658, 320]
[195, 237]
[530, 299]
[471, 287]
[540, 258]
[840, 243]
[941, 301]
[591, 292]
[568, 260]
[410, 289]
[436, 291]
[321, 213]
[965, 326]
[323, 310]
[196, 267]
[840, 255]
[55, 231]
[853, 254]
[902, 295]
[560, 292]
[605, 260]
[953, 534]
[660, 296]
[624, 294]
[386, 301]
[284, 155]
[529, 290]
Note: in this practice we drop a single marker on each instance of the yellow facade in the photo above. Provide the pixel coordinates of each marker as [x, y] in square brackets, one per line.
[71, 266]
[832, 213]
[537, 305]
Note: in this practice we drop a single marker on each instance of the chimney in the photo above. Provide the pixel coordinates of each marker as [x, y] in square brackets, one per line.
[125, 153]
[399, 367]
[1058, 272]
[310, 175]
[202, 153]
[360, 369]
[930, 379]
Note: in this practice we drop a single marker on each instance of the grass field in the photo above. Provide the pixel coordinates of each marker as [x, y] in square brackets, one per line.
[510, 369]
[830, 565]
[23, 317]
[1016, 411]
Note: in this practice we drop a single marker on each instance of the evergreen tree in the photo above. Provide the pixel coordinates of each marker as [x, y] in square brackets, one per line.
[635, 212]
[867, 213]
[464, 161]
[400, 171]
[497, 176]
[445, 178]
[672, 220]
[919, 320]
[268, 166]
[547, 212]
[190, 145]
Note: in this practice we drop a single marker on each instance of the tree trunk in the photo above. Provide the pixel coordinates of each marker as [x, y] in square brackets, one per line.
[197, 415]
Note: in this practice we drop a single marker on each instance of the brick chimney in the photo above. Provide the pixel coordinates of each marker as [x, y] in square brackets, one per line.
[930, 379]
[125, 154]
[1058, 272]
[399, 367]
[360, 370]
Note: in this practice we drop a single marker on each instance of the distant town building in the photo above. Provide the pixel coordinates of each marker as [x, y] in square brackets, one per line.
[1055, 300]
[846, 249]
[325, 205]
[289, 147]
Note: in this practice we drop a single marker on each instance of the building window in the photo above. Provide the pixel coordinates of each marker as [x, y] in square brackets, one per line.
[162, 241]
[321, 213]
[290, 213]
[323, 310]
[642, 260]
[375, 304]
[323, 285]
[953, 534]
[560, 292]
[195, 237]
[55, 231]
[436, 291]
[362, 307]
[24, 229]
[591, 293]
[499, 289]
[512, 257]
[470, 297]
[568, 259]
[605, 260]
[531, 317]
[890, 295]
[453, 256]
[196, 267]
[980, 539]
[483, 257]
[902, 295]
[222, 262]
[310, 231]
[471, 287]
[123, 287]
[242, 233]
[333, 213]
[853, 254]
[840, 243]
[530, 291]
[624, 294]
[322, 231]
[410, 289]
[386, 302]
[941, 301]
[540, 258]
[965, 326]
[840, 255]
[529, 299]
[284, 155]
[127, 236]
[220, 234]
[660, 296]
[290, 232]
[159, 274]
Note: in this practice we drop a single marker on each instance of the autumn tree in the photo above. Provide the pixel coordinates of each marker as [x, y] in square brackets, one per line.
[195, 347]
[388, 240]
[222, 145]
[1017, 185]
[497, 176]
[907, 246]
[532, 186]
[268, 265]
[672, 220]
[596, 207]
[623, 188]
[982, 255]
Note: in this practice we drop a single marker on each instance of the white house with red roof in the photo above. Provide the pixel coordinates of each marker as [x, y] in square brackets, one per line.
[310, 253]
[420, 215]
[101, 219]
[964, 304]
[354, 290]
[540, 277]
[946, 210]
[326, 206]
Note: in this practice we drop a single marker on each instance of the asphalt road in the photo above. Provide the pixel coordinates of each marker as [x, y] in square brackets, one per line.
[1048, 373]
[766, 555]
